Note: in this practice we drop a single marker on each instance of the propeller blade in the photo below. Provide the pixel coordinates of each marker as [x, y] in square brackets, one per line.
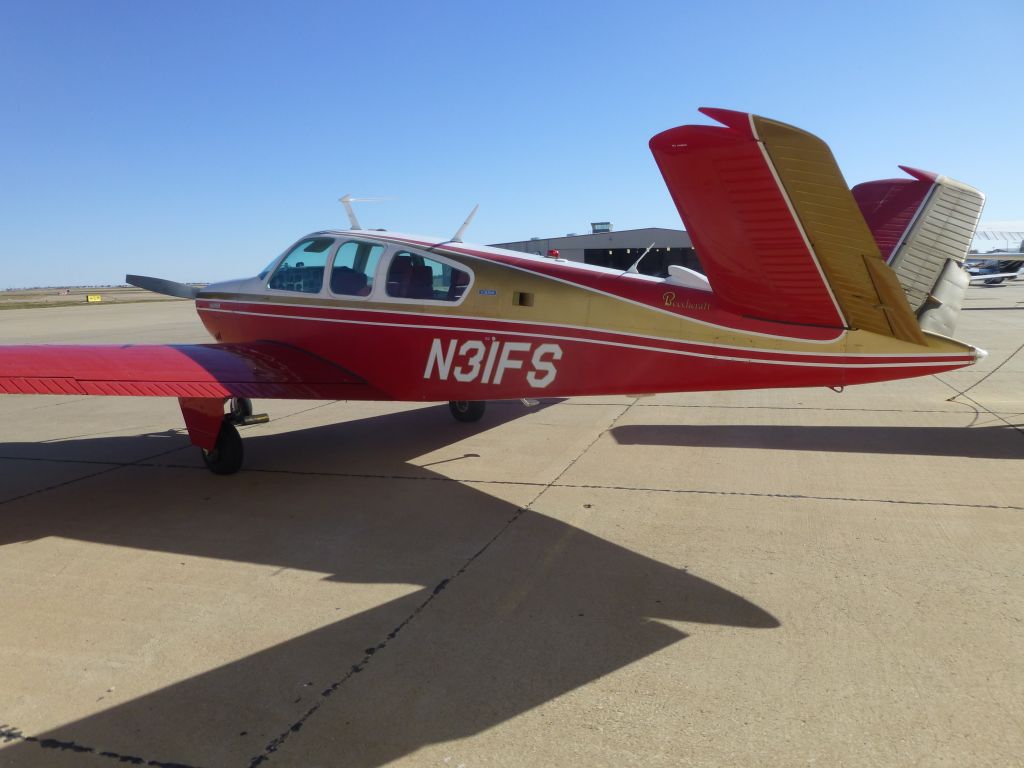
[165, 287]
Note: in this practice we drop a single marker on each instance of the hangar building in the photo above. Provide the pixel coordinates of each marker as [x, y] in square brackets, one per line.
[618, 250]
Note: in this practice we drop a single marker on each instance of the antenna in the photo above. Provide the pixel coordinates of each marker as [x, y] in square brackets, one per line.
[633, 269]
[465, 225]
[347, 201]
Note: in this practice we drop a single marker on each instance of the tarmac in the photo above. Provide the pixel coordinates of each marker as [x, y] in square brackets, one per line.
[763, 578]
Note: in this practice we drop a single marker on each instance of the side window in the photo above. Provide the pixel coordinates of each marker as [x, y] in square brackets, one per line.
[355, 264]
[303, 267]
[413, 276]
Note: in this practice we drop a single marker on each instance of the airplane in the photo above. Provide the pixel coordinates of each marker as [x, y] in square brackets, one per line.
[806, 283]
[994, 267]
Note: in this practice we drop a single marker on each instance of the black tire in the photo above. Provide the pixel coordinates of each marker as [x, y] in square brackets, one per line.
[226, 456]
[467, 410]
[995, 281]
[240, 408]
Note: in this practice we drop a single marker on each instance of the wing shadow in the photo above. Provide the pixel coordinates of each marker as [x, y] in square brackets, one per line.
[547, 608]
[1003, 442]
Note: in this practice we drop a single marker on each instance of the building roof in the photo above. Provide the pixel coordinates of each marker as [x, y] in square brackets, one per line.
[626, 238]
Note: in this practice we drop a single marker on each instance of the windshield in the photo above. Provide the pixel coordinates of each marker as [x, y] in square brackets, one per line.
[303, 268]
[266, 270]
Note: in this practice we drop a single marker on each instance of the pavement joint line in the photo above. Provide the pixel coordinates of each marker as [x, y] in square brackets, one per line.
[798, 408]
[56, 405]
[795, 496]
[441, 586]
[10, 734]
[307, 410]
[111, 467]
[526, 483]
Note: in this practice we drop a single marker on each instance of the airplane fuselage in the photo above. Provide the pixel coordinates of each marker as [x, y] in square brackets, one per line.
[529, 326]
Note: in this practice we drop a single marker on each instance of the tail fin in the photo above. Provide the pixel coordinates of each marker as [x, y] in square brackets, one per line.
[924, 226]
[777, 230]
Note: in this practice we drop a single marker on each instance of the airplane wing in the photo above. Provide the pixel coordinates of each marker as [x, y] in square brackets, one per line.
[257, 370]
[777, 229]
[1000, 276]
[1002, 258]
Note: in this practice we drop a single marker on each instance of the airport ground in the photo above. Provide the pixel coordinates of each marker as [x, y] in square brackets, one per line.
[31, 298]
[764, 578]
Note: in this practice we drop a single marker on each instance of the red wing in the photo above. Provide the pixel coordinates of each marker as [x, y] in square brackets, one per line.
[262, 369]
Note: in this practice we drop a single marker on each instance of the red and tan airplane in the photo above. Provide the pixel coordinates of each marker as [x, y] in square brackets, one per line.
[807, 284]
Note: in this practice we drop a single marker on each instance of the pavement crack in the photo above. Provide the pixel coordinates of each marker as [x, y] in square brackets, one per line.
[10, 734]
[373, 652]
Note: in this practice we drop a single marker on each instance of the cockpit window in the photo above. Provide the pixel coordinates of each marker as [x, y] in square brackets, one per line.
[414, 276]
[266, 270]
[355, 265]
[303, 268]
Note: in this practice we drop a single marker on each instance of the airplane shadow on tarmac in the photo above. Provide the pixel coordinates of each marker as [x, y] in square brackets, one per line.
[509, 615]
[1000, 442]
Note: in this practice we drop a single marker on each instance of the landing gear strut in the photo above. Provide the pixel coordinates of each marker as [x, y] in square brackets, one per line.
[239, 409]
[467, 410]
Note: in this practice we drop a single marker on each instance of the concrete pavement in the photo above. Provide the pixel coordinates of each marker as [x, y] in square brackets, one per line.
[762, 578]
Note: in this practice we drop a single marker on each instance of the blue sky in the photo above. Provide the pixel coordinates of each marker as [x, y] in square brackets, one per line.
[195, 140]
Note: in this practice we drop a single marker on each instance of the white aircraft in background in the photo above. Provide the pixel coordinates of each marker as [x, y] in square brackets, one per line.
[994, 267]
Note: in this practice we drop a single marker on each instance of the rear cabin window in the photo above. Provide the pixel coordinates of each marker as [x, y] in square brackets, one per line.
[355, 265]
[303, 268]
[414, 276]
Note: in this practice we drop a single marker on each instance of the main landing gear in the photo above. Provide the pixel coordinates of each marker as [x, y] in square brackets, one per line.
[472, 410]
[216, 432]
[467, 410]
[225, 458]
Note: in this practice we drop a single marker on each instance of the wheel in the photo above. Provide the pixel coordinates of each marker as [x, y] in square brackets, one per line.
[226, 456]
[994, 281]
[467, 410]
[240, 409]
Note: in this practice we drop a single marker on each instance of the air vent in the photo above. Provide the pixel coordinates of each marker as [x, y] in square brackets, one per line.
[521, 299]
